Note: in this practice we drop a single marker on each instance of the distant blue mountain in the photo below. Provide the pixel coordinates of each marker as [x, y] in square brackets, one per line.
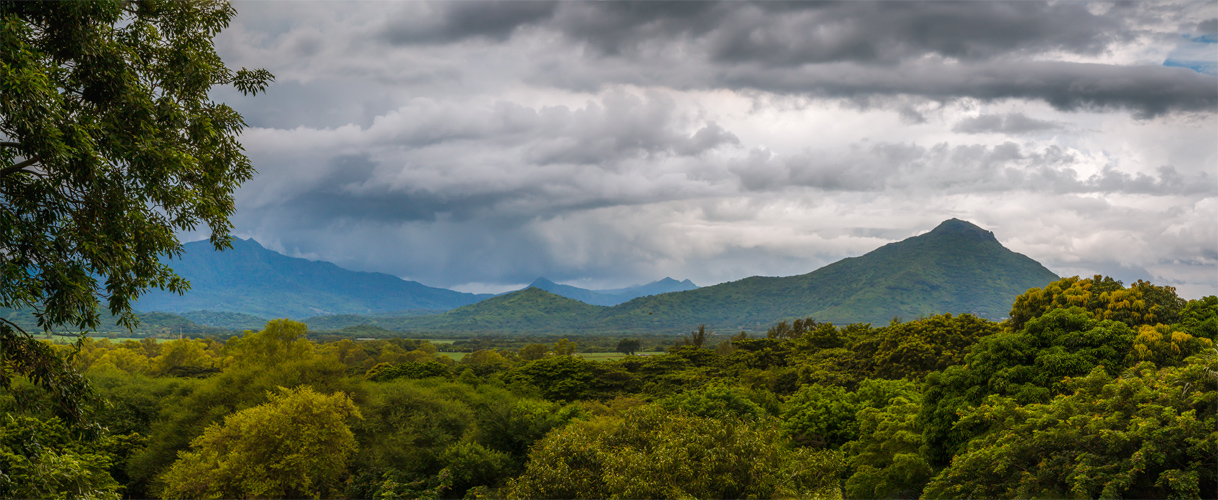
[615, 296]
[250, 279]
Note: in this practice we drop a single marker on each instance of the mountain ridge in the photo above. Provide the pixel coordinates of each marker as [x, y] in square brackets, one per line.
[250, 279]
[956, 267]
[614, 296]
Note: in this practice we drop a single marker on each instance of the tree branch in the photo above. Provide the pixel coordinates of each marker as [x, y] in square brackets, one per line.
[16, 167]
[15, 326]
[6, 144]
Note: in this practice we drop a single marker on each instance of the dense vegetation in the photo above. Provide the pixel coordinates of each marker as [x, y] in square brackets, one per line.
[1092, 389]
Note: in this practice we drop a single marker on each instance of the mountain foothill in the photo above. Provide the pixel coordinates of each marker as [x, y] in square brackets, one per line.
[955, 268]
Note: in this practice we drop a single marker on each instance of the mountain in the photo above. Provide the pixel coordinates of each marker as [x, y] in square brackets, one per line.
[252, 280]
[151, 323]
[955, 268]
[523, 311]
[615, 296]
[230, 320]
[665, 285]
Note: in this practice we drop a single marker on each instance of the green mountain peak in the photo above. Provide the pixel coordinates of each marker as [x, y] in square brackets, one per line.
[957, 268]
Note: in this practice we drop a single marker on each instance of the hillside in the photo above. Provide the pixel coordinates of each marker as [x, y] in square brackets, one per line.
[524, 311]
[151, 323]
[252, 280]
[957, 268]
[615, 296]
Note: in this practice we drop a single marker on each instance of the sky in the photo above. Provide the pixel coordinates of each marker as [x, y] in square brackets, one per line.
[480, 145]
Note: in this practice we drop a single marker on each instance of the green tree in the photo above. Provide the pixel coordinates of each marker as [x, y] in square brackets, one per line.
[109, 145]
[628, 346]
[564, 347]
[43, 459]
[296, 445]
[827, 416]
[281, 341]
[821, 416]
[1200, 318]
[696, 338]
[533, 352]
[408, 424]
[571, 378]
[1029, 366]
[717, 401]
[1105, 298]
[886, 459]
[653, 453]
[914, 348]
[384, 372]
[1148, 434]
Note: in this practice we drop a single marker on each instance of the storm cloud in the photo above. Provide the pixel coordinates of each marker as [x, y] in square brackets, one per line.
[479, 145]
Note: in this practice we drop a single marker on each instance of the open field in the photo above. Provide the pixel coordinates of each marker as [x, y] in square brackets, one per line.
[456, 356]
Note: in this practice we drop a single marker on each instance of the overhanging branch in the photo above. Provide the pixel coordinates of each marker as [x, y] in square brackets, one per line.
[17, 167]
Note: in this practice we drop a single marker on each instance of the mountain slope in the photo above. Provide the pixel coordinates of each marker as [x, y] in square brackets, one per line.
[523, 311]
[957, 268]
[615, 296]
[250, 279]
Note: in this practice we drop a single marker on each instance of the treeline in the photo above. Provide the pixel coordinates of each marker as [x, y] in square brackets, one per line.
[1090, 389]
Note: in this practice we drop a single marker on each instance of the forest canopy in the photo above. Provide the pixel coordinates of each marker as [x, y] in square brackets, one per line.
[1071, 402]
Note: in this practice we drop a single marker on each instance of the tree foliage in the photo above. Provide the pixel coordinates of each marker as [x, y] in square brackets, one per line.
[1104, 298]
[296, 445]
[1029, 366]
[1149, 433]
[653, 453]
[44, 459]
[1069, 404]
[628, 346]
[887, 459]
[109, 145]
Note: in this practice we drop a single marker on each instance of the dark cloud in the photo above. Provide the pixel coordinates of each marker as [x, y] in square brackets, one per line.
[494, 142]
[1148, 91]
[784, 33]
[889, 32]
[457, 21]
[1208, 27]
[1010, 123]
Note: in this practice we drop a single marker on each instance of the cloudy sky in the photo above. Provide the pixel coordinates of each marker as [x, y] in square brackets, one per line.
[479, 145]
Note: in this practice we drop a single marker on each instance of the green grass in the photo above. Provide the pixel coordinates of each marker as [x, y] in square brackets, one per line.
[456, 356]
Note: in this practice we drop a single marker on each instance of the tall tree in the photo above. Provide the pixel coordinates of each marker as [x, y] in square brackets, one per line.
[628, 346]
[295, 446]
[109, 144]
